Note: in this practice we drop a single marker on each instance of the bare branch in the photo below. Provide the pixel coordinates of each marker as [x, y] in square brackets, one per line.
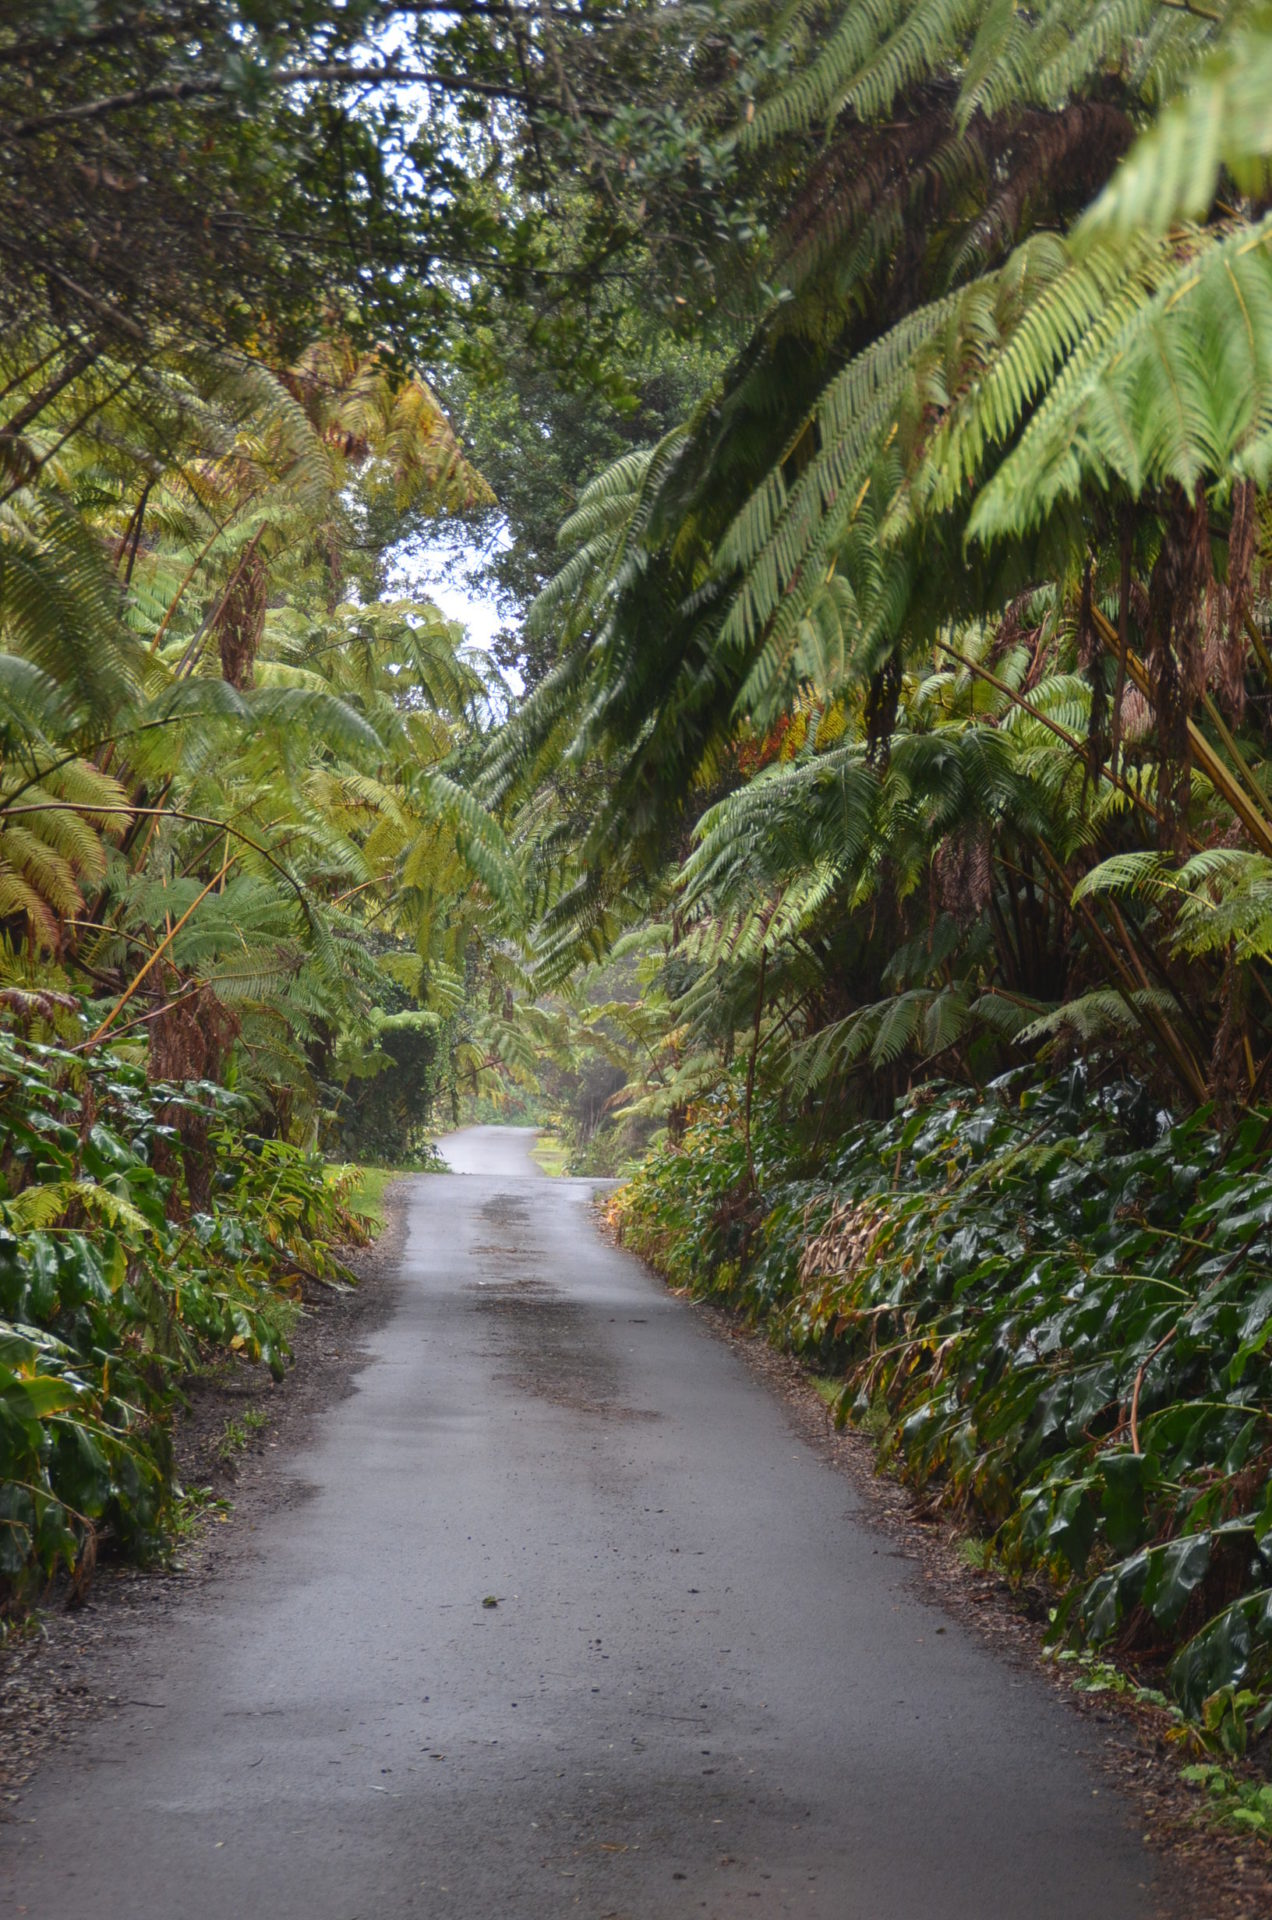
[320, 74]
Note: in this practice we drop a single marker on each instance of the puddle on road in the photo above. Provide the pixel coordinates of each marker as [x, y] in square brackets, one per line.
[557, 1348]
[505, 1210]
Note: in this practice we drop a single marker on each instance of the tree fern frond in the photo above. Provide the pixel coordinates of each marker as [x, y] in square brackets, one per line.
[1220, 123]
[1180, 389]
[1098, 1015]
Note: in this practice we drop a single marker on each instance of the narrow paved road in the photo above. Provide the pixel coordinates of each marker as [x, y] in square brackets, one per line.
[706, 1687]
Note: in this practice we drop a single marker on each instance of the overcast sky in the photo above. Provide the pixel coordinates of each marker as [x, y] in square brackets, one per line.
[437, 570]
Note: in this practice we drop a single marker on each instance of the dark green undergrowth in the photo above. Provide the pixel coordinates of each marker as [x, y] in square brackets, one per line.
[143, 1228]
[1054, 1308]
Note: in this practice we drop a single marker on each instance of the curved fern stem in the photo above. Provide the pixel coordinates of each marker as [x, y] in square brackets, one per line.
[105, 1025]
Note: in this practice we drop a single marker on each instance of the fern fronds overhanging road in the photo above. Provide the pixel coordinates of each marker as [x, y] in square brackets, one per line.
[704, 1685]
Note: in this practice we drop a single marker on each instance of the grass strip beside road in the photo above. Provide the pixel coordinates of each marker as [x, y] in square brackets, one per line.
[551, 1153]
[364, 1192]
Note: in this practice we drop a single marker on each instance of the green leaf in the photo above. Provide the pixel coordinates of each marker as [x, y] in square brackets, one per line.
[1129, 1479]
[41, 1396]
[1174, 1572]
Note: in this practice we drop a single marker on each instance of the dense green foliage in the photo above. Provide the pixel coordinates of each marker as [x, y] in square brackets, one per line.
[949, 601]
[218, 170]
[113, 1284]
[1053, 1309]
[538, 444]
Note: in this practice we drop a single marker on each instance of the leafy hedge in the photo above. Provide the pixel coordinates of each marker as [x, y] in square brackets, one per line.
[1055, 1308]
[111, 1288]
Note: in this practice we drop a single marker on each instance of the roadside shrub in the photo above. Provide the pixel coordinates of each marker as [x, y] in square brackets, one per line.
[110, 1289]
[1055, 1306]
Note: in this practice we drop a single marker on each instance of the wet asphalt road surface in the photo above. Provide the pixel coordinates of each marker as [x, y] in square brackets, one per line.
[706, 1688]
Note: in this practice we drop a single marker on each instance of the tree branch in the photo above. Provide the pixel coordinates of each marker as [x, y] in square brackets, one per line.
[169, 92]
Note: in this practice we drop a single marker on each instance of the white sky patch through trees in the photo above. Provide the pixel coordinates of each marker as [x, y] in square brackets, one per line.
[444, 569]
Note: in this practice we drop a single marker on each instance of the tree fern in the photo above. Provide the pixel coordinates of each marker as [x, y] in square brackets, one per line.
[1179, 390]
[1219, 123]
